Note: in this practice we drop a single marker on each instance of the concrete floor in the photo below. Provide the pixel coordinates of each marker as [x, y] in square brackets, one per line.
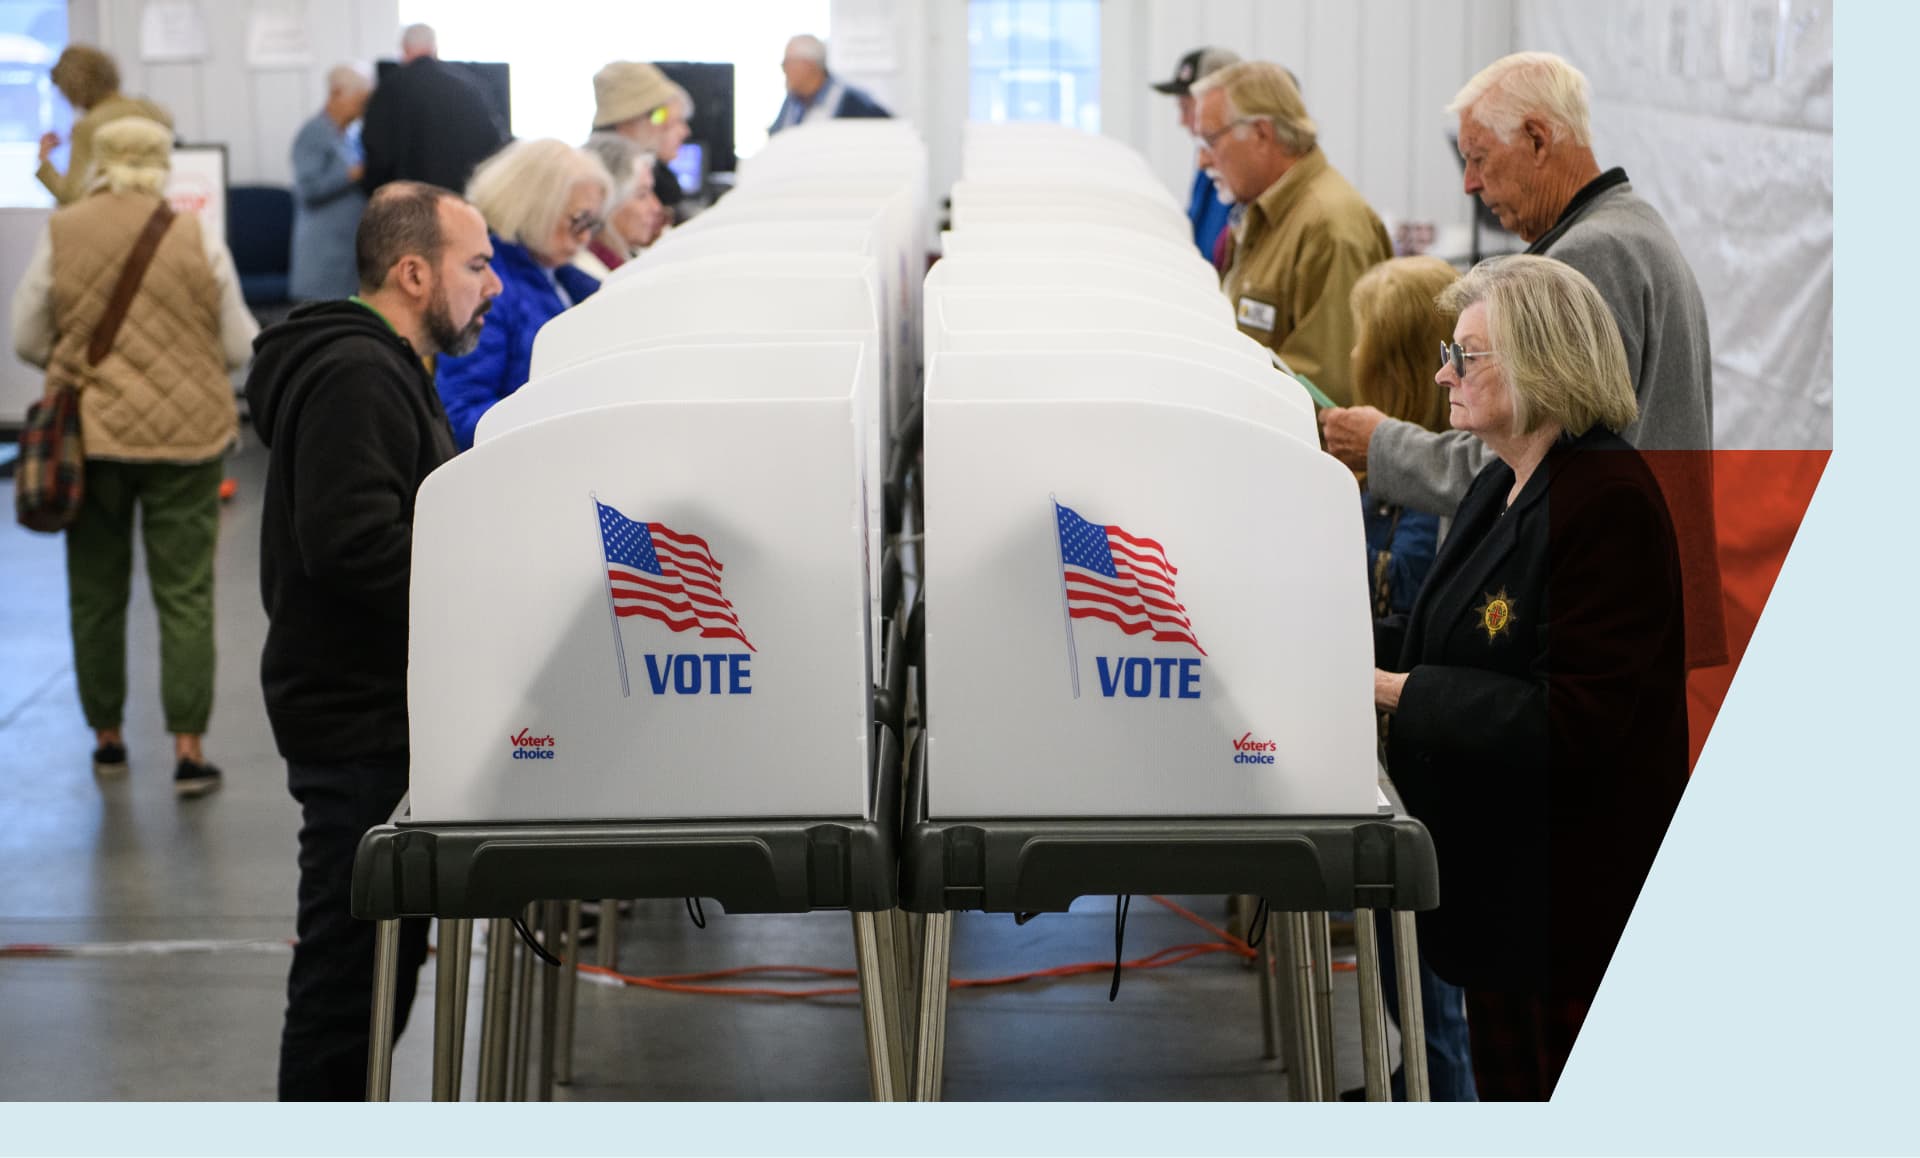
[93, 864]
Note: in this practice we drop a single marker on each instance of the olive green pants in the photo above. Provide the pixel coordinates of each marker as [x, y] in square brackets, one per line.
[179, 524]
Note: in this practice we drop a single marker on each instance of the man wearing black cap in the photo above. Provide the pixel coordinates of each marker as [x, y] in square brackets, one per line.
[1204, 205]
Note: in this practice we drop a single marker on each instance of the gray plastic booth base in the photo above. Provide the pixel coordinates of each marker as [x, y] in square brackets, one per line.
[1303, 866]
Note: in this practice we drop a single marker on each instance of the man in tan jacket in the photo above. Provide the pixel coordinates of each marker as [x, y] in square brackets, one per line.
[1307, 235]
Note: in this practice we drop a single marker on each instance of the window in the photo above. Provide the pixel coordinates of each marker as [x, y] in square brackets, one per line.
[554, 54]
[1034, 60]
[32, 35]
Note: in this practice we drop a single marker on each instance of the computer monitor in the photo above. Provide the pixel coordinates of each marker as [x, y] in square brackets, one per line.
[711, 87]
[689, 167]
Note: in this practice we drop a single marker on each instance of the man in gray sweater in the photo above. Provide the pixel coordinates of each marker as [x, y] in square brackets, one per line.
[1525, 138]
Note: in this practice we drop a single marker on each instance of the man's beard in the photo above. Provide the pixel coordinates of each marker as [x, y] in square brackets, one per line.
[447, 338]
[1220, 189]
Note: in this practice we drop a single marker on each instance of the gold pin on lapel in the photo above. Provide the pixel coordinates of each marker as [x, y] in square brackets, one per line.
[1496, 614]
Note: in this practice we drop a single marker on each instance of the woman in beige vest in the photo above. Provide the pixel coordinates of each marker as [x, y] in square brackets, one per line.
[156, 414]
[90, 81]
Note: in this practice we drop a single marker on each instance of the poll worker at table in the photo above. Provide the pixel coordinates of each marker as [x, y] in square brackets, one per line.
[1307, 235]
[341, 395]
[815, 94]
[1537, 694]
[1527, 146]
[543, 200]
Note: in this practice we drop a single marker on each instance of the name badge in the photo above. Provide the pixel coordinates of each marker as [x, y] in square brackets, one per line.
[1255, 315]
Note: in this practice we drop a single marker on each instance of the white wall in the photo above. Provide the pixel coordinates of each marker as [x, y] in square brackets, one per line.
[220, 99]
[1722, 114]
[1387, 65]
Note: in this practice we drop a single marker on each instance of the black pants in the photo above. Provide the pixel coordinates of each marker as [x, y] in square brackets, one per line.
[323, 1048]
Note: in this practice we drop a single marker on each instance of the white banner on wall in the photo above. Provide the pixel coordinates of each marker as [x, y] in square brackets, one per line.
[277, 35]
[172, 31]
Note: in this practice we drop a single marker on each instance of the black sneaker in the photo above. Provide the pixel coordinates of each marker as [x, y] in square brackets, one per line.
[110, 760]
[193, 778]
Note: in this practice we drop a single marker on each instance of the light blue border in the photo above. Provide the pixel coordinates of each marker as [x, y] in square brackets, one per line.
[1763, 1000]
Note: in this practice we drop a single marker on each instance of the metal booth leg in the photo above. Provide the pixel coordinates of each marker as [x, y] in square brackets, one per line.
[386, 977]
[1307, 1083]
[1267, 980]
[609, 934]
[523, 965]
[873, 1006]
[930, 1039]
[549, 1000]
[494, 1000]
[1373, 1014]
[450, 1006]
[569, 984]
[1413, 1022]
[1323, 1001]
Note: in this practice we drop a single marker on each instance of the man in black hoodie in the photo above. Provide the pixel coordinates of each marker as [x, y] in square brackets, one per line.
[342, 395]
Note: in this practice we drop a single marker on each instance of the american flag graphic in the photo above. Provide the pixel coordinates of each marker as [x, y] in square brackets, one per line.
[655, 571]
[1121, 578]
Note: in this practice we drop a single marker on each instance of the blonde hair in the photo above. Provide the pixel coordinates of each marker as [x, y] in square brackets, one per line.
[522, 190]
[1528, 84]
[1399, 326]
[1557, 341]
[1262, 90]
[85, 75]
[131, 155]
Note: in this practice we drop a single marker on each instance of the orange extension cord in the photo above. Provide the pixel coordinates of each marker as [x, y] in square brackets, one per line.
[1225, 942]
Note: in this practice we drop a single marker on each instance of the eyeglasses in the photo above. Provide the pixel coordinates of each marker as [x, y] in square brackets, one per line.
[1452, 354]
[1212, 140]
[586, 221]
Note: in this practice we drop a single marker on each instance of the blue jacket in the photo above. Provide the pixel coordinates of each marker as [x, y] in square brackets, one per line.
[1207, 212]
[326, 213]
[1408, 539]
[470, 385]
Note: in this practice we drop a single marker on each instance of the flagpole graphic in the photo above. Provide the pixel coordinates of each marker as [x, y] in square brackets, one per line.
[613, 617]
[1066, 602]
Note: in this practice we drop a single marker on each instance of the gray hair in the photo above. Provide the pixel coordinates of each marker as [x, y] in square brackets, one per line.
[347, 78]
[420, 38]
[626, 163]
[1559, 346]
[1528, 84]
[522, 190]
[1261, 90]
[807, 47]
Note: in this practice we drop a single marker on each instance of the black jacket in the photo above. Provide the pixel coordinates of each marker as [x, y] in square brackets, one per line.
[428, 121]
[1542, 732]
[353, 425]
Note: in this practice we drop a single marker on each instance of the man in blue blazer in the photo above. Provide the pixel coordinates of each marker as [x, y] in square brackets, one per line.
[813, 93]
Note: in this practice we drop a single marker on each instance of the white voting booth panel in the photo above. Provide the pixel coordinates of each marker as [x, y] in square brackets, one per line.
[682, 369]
[718, 301]
[644, 611]
[1175, 228]
[1248, 692]
[1003, 271]
[1068, 255]
[1083, 239]
[974, 195]
[1186, 370]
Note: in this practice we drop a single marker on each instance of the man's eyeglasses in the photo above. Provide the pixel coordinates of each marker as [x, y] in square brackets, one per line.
[1212, 140]
[1452, 354]
[584, 222]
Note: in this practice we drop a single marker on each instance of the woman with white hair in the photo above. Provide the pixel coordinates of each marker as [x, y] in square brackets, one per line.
[1537, 695]
[543, 199]
[156, 415]
[637, 217]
